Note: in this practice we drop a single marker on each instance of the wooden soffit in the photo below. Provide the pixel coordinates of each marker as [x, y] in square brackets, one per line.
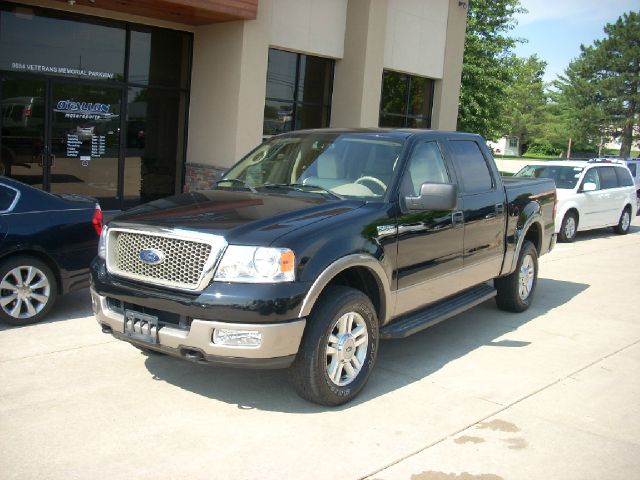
[190, 12]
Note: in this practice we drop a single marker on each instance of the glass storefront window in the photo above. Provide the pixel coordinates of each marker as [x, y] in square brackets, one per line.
[406, 101]
[34, 43]
[118, 137]
[154, 144]
[298, 92]
[159, 57]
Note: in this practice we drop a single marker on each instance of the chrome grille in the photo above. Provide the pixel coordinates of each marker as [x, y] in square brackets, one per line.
[186, 262]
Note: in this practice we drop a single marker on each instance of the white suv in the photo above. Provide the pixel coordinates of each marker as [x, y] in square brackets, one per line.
[591, 194]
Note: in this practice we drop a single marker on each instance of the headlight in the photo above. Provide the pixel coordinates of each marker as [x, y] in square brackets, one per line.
[256, 265]
[102, 244]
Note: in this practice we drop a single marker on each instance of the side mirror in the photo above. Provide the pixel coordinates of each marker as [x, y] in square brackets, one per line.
[589, 187]
[433, 196]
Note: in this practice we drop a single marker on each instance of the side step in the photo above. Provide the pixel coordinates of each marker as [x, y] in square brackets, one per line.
[416, 321]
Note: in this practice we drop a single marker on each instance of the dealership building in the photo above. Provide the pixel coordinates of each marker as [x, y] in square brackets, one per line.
[133, 100]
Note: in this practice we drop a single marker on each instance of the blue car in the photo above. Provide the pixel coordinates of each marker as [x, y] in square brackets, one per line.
[47, 242]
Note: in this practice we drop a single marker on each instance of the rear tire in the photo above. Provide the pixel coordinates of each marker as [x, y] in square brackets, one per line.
[515, 291]
[28, 290]
[338, 349]
[624, 224]
[569, 228]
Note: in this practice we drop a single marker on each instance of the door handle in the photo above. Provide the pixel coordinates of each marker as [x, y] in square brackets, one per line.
[499, 208]
[457, 219]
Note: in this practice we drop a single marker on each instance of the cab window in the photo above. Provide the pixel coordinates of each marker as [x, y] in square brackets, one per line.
[425, 165]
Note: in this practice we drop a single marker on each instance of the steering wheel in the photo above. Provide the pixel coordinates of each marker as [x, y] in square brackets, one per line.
[376, 181]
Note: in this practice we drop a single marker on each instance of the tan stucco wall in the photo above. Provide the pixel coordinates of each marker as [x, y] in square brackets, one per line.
[447, 90]
[308, 26]
[228, 85]
[415, 37]
[358, 76]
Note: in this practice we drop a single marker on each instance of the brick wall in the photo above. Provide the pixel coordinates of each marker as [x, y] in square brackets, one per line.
[200, 177]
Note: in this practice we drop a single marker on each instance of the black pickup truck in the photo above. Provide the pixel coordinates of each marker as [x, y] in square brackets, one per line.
[318, 244]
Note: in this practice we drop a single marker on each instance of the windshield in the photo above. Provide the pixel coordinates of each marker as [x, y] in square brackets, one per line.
[358, 165]
[565, 177]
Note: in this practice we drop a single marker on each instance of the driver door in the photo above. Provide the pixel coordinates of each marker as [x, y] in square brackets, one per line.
[430, 243]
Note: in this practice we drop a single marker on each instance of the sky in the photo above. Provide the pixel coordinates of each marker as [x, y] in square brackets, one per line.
[556, 28]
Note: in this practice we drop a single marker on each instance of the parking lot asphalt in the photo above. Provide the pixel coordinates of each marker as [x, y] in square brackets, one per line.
[551, 393]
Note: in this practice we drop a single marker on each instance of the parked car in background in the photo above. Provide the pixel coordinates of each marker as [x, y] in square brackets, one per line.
[47, 242]
[633, 164]
[591, 194]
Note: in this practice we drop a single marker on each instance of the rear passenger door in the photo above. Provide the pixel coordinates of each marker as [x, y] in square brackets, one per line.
[603, 206]
[482, 204]
[614, 195]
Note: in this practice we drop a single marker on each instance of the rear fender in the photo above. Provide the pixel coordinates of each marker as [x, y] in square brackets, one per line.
[529, 216]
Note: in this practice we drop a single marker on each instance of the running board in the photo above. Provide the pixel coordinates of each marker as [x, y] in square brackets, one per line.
[416, 321]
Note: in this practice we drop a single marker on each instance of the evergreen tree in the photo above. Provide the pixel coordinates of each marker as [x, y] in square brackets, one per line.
[601, 88]
[526, 99]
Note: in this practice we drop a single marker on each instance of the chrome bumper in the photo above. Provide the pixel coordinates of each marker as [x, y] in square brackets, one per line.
[278, 348]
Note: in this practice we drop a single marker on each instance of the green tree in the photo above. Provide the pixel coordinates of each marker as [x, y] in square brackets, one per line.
[487, 66]
[601, 88]
[526, 99]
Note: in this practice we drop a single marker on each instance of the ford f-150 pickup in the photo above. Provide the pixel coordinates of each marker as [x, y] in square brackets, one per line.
[318, 244]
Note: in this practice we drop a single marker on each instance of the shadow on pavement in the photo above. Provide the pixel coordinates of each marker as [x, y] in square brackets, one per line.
[603, 233]
[73, 305]
[427, 352]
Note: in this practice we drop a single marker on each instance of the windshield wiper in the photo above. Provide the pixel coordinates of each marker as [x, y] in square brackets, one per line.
[302, 186]
[237, 180]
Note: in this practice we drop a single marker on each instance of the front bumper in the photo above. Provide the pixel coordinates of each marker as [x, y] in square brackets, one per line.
[278, 348]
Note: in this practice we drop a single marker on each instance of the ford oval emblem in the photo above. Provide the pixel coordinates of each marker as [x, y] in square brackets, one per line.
[151, 256]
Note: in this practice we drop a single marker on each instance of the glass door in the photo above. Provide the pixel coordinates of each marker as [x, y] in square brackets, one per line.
[22, 141]
[85, 141]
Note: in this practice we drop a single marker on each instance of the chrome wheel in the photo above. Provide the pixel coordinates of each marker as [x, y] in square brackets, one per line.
[526, 277]
[625, 221]
[569, 227]
[346, 349]
[24, 292]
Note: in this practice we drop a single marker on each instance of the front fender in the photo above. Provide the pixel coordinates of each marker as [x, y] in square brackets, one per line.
[566, 206]
[355, 260]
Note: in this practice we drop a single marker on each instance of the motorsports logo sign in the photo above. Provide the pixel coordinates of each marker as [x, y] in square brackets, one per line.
[84, 110]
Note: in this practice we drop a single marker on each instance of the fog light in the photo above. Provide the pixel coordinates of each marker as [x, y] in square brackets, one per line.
[237, 338]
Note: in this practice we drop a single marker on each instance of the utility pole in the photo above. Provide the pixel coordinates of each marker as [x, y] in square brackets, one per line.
[600, 147]
[569, 150]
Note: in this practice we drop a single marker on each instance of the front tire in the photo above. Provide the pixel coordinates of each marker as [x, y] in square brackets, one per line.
[569, 228]
[338, 349]
[624, 224]
[515, 291]
[28, 290]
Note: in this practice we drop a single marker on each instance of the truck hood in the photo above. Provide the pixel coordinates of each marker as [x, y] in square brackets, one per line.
[243, 218]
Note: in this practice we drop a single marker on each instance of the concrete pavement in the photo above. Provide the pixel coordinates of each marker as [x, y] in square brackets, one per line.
[550, 393]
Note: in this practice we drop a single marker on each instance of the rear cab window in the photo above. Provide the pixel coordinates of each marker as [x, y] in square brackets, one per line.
[471, 166]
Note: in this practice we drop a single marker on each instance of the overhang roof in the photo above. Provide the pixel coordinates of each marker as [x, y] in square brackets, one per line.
[190, 12]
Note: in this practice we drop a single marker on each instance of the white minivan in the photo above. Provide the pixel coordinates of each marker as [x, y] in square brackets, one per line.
[591, 194]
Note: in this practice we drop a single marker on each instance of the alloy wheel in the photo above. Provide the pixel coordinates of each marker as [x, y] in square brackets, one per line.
[346, 348]
[526, 277]
[24, 292]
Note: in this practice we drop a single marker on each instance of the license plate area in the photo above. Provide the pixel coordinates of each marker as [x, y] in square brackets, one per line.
[141, 326]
